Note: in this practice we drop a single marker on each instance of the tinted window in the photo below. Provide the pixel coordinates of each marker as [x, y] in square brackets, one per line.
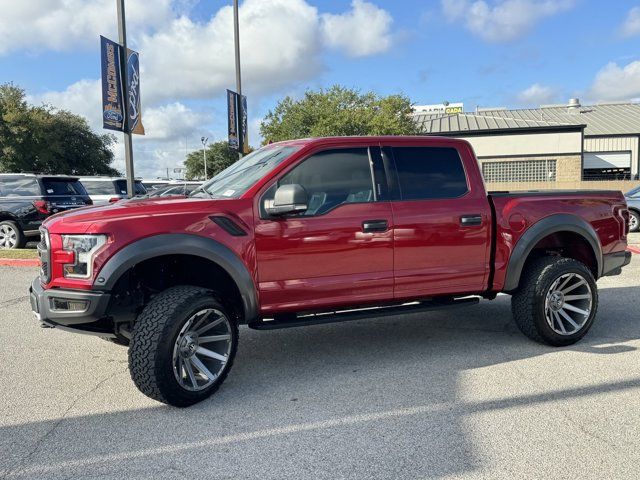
[332, 178]
[99, 187]
[19, 187]
[429, 173]
[62, 187]
[121, 186]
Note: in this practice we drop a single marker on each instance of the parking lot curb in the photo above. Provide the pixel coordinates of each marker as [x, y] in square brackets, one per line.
[19, 262]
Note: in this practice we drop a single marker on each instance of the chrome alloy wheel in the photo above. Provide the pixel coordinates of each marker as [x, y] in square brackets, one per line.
[8, 236]
[568, 303]
[195, 365]
[633, 223]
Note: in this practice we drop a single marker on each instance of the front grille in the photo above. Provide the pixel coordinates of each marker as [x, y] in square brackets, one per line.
[44, 252]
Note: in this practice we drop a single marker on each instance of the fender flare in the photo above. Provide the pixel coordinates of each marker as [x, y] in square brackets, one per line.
[541, 229]
[181, 244]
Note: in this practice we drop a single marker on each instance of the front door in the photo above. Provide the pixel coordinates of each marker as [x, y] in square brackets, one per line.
[340, 251]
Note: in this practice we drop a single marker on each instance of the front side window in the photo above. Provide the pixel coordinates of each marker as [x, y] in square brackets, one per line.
[426, 173]
[332, 178]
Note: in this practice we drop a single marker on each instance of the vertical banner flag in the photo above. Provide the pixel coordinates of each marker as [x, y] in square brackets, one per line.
[232, 114]
[112, 94]
[112, 107]
[244, 136]
[134, 122]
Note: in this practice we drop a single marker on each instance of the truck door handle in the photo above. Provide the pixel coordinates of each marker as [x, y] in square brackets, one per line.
[471, 220]
[369, 226]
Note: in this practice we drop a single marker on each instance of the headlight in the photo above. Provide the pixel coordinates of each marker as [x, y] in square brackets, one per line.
[84, 248]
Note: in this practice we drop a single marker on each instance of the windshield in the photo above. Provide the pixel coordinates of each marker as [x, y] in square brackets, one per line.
[635, 193]
[55, 186]
[242, 175]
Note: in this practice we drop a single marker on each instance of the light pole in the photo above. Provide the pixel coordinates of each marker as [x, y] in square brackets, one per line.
[128, 147]
[204, 141]
[236, 37]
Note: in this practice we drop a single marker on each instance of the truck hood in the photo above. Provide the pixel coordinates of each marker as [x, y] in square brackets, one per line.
[79, 220]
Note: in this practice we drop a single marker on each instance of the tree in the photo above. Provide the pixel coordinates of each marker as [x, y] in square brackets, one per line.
[48, 140]
[219, 157]
[338, 111]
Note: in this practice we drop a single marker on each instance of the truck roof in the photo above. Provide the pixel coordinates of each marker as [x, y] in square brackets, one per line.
[358, 139]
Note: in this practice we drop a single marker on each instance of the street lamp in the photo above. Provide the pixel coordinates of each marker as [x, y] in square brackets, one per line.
[204, 141]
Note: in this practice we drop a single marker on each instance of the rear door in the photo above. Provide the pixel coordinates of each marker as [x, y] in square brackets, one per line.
[340, 251]
[441, 221]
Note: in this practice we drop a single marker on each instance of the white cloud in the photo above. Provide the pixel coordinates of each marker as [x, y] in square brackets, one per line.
[616, 83]
[537, 95]
[64, 25]
[631, 26]
[280, 45]
[502, 20]
[362, 31]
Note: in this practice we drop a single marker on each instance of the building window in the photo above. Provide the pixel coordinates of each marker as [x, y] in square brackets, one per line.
[519, 171]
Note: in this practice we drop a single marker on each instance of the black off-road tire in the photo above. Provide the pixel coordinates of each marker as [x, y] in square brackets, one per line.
[637, 223]
[528, 302]
[154, 335]
[21, 240]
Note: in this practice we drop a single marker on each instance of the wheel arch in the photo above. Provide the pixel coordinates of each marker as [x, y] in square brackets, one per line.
[166, 245]
[557, 226]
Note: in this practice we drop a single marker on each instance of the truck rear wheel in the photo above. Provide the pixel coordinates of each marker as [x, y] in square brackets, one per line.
[182, 346]
[556, 302]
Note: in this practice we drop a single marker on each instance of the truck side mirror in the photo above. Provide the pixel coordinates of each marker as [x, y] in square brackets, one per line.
[287, 200]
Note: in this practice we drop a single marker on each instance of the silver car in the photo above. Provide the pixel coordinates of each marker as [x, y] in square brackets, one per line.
[103, 190]
[633, 201]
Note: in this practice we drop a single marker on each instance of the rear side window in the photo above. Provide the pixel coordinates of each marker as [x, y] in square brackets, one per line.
[19, 187]
[62, 187]
[332, 178]
[99, 187]
[429, 173]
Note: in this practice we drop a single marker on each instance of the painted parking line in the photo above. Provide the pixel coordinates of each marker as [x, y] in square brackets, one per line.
[19, 262]
[634, 249]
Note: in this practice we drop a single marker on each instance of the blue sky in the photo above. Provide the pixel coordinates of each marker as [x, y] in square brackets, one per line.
[484, 53]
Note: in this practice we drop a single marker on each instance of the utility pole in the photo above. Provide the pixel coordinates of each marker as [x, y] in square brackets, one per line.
[236, 36]
[204, 155]
[128, 146]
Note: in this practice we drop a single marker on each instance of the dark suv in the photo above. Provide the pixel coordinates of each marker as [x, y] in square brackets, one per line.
[26, 200]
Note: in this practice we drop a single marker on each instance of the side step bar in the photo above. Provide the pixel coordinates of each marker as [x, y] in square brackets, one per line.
[361, 314]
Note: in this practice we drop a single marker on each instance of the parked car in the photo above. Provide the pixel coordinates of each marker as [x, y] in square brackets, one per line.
[322, 230]
[181, 188]
[109, 189]
[26, 200]
[633, 201]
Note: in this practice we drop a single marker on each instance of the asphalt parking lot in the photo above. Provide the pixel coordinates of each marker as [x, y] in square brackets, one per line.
[451, 394]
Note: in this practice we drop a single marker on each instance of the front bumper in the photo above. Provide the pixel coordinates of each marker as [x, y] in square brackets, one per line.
[612, 263]
[90, 319]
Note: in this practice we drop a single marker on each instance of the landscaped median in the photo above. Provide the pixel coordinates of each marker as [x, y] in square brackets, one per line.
[22, 257]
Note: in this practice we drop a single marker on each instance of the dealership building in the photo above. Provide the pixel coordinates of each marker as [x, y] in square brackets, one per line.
[563, 146]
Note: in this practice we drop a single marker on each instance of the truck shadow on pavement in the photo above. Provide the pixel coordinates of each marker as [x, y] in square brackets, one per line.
[383, 398]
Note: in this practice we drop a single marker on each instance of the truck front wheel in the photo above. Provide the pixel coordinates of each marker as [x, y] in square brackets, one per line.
[556, 302]
[182, 346]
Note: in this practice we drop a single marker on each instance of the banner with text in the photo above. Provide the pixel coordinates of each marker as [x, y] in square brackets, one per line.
[244, 134]
[232, 119]
[112, 92]
[112, 106]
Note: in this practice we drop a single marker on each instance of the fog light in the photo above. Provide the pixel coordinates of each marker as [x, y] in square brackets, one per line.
[68, 305]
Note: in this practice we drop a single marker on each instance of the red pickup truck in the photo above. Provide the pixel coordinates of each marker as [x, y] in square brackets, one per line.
[315, 231]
